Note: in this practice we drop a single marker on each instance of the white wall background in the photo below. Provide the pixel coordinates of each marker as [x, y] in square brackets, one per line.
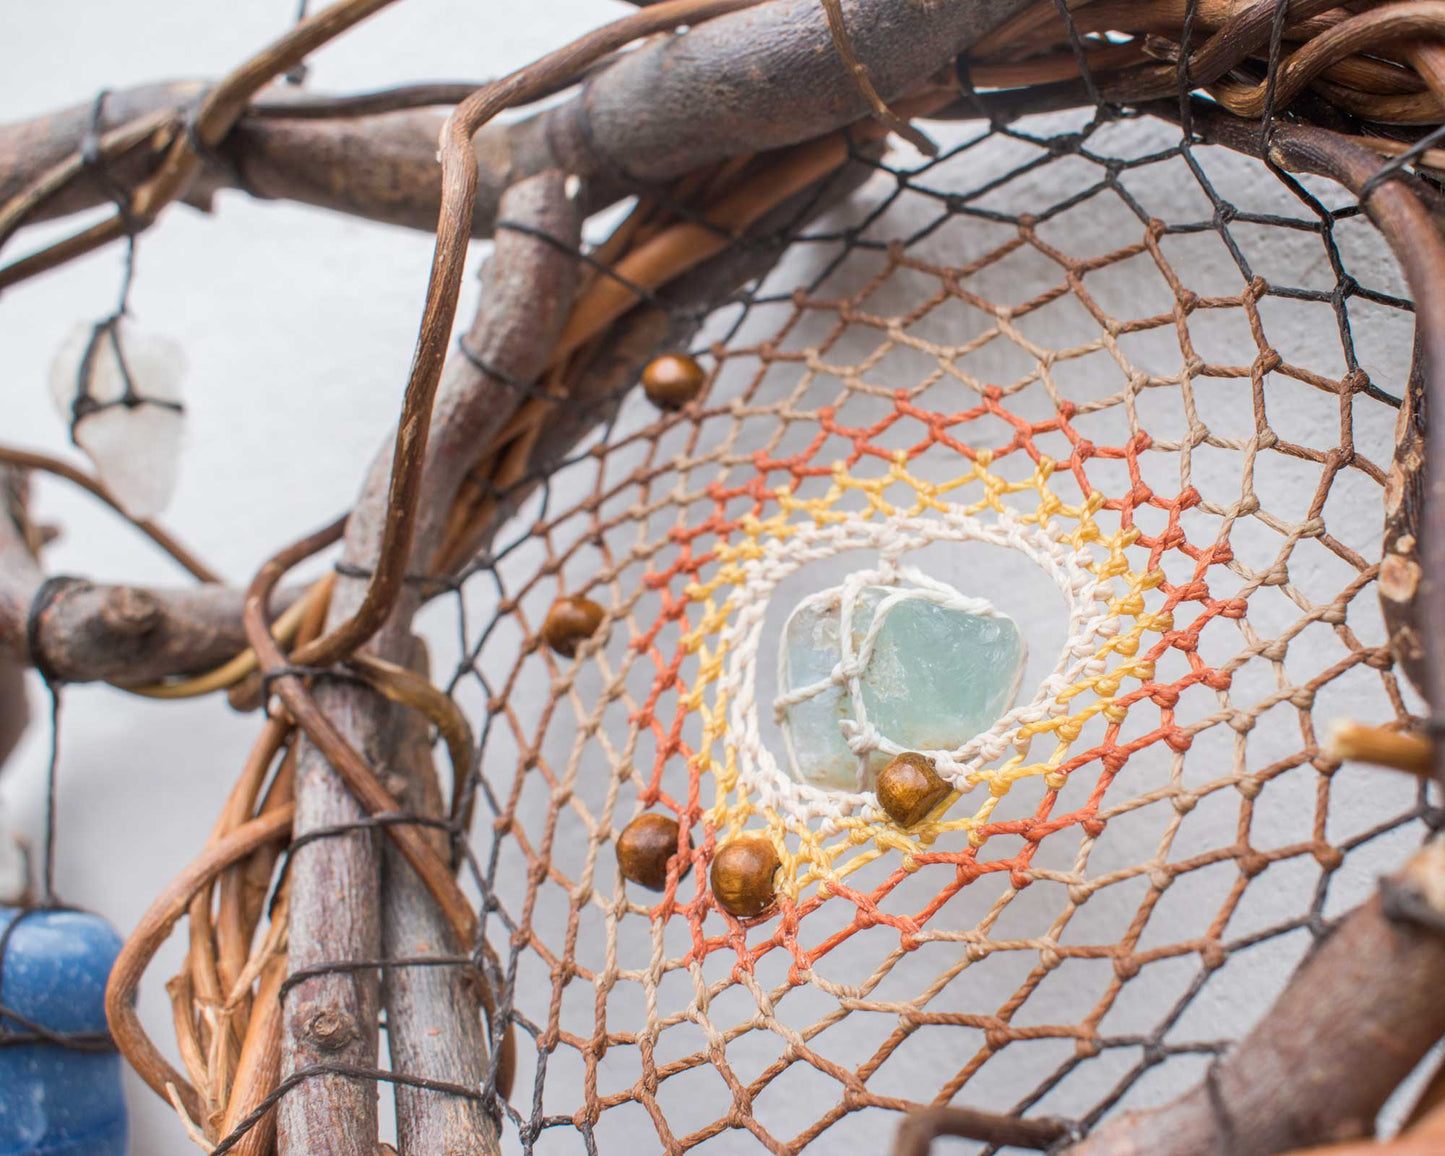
[294, 322]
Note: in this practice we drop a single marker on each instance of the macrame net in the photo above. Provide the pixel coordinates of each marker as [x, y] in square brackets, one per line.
[1135, 391]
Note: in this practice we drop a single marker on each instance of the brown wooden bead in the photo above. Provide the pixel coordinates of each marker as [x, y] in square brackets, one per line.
[742, 875]
[909, 787]
[645, 847]
[570, 622]
[672, 380]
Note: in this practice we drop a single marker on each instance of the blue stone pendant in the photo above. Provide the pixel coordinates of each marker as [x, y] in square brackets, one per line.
[57, 1098]
[923, 669]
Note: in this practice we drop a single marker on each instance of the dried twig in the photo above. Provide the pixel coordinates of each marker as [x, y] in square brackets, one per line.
[838, 29]
[1407, 498]
[523, 306]
[152, 930]
[221, 107]
[184, 557]
[918, 1131]
[433, 1029]
[1386, 748]
[1355, 1019]
[644, 105]
[123, 634]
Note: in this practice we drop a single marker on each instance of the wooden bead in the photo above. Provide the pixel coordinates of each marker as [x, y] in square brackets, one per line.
[672, 380]
[909, 787]
[742, 875]
[645, 848]
[570, 622]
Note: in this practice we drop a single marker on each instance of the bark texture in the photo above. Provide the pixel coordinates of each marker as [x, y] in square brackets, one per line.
[1407, 498]
[1354, 1021]
[131, 635]
[754, 80]
[523, 307]
[433, 1028]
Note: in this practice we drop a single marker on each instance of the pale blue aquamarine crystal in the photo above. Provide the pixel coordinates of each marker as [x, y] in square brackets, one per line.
[937, 677]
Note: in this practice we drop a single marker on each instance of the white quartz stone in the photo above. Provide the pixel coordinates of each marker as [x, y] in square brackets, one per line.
[136, 450]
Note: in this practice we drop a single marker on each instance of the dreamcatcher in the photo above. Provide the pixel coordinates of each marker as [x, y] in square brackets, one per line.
[887, 591]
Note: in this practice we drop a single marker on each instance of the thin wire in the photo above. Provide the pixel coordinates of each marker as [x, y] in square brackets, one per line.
[107, 329]
[52, 783]
[297, 76]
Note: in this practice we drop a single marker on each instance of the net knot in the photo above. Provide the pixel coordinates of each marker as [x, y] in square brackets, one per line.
[862, 738]
[1252, 863]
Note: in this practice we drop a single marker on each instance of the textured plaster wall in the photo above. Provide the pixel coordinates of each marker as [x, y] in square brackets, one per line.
[298, 327]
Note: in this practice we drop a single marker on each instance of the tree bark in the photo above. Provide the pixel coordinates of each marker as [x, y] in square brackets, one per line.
[130, 635]
[433, 1027]
[1354, 1021]
[1408, 497]
[524, 305]
[749, 82]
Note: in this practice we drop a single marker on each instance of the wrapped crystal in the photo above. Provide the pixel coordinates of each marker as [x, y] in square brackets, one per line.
[937, 676]
[120, 392]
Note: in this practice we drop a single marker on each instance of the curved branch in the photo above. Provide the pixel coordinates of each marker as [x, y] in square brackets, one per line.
[1354, 1021]
[756, 80]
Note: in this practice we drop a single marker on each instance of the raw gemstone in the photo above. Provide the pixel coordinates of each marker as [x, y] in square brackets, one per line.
[936, 678]
[136, 448]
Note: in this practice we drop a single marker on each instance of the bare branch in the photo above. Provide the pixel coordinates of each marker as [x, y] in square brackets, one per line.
[1354, 1021]
[919, 1129]
[14, 707]
[754, 79]
[132, 636]
[83, 632]
[432, 1026]
[524, 304]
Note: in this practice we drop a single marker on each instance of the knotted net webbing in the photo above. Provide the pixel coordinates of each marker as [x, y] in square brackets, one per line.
[1139, 393]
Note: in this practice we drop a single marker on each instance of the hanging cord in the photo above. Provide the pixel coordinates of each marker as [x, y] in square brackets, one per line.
[1271, 84]
[49, 590]
[108, 328]
[52, 779]
[297, 76]
[17, 1030]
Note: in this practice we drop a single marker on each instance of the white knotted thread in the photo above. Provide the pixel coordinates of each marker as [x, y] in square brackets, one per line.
[821, 809]
[862, 736]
